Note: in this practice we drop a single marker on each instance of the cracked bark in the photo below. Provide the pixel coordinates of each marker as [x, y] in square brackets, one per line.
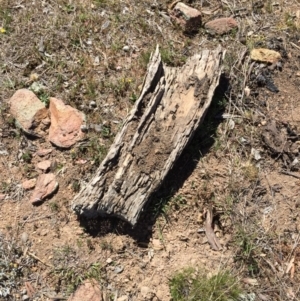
[172, 105]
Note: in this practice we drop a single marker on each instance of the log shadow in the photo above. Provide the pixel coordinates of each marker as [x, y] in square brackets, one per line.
[199, 146]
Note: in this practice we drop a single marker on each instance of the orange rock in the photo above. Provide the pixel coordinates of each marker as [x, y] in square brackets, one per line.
[265, 55]
[187, 17]
[29, 112]
[66, 122]
[88, 291]
[221, 25]
[44, 165]
[45, 186]
[44, 152]
[29, 184]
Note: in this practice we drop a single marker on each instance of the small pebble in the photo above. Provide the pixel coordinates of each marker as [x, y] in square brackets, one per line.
[118, 269]
[24, 237]
[105, 25]
[279, 65]
[93, 104]
[109, 260]
[25, 298]
[125, 10]
[98, 128]
[96, 60]
[83, 128]
[126, 48]
[110, 287]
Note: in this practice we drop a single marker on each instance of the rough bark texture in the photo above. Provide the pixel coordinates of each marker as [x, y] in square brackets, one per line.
[172, 105]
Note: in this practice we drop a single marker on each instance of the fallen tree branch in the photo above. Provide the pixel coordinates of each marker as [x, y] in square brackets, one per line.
[172, 105]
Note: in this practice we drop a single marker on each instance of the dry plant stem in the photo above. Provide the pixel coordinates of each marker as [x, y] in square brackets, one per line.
[296, 46]
[210, 234]
[290, 265]
[249, 71]
[246, 75]
[134, 255]
[38, 218]
[40, 260]
[290, 174]
[270, 265]
[241, 58]
[236, 65]
[172, 5]
[29, 289]
[290, 257]
[229, 6]
[270, 187]
[52, 298]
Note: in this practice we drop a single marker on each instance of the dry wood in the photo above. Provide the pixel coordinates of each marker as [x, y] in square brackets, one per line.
[56, 298]
[172, 105]
[29, 289]
[285, 172]
[40, 260]
[210, 234]
[38, 218]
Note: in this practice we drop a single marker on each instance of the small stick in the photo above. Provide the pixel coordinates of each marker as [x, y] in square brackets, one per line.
[54, 298]
[29, 289]
[210, 234]
[241, 58]
[296, 46]
[172, 5]
[38, 218]
[290, 265]
[290, 174]
[40, 260]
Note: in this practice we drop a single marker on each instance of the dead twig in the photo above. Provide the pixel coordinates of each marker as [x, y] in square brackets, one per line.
[296, 46]
[291, 267]
[285, 172]
[172, 5]
[274, 270]
[30, 290]
[241, 59]
[210, 234]
[40, 260]
[55, 298]
[291, 255]
[38, 218]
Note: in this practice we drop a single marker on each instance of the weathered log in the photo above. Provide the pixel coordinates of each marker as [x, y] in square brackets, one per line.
[172, 105]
